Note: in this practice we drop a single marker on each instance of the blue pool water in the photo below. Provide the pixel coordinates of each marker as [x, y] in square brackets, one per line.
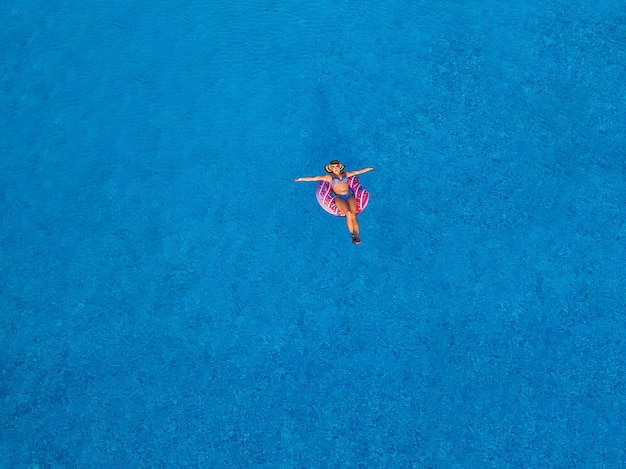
[171, 298]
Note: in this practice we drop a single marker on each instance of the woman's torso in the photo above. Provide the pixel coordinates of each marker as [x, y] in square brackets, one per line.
[339, 185]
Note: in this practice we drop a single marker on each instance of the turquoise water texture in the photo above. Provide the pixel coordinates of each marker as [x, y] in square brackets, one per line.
[169, 297]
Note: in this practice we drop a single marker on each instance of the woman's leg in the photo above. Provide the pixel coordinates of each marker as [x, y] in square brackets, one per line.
[344, 207]
[355, 224]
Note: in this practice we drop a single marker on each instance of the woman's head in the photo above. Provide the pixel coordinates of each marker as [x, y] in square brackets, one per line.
[334, 167]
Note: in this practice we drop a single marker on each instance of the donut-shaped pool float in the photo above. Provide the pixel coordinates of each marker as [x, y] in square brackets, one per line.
[326, 198]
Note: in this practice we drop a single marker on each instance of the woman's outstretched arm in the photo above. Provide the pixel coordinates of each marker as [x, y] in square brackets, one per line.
[358, 171]
[311, 178]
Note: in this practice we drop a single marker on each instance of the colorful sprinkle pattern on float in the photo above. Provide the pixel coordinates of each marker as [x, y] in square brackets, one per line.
[326, 197]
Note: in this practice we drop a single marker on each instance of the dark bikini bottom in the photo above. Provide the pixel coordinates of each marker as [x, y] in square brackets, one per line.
[345, 196]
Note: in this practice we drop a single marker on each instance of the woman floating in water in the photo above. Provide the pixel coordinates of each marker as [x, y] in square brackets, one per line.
[344, 196]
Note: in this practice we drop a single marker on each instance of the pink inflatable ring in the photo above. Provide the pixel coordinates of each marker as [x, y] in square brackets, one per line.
[326, 198]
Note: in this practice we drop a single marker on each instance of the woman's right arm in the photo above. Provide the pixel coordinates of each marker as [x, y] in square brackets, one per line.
[311, 179]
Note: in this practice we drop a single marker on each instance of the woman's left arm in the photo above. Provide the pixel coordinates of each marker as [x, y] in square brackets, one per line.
[358, 171]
